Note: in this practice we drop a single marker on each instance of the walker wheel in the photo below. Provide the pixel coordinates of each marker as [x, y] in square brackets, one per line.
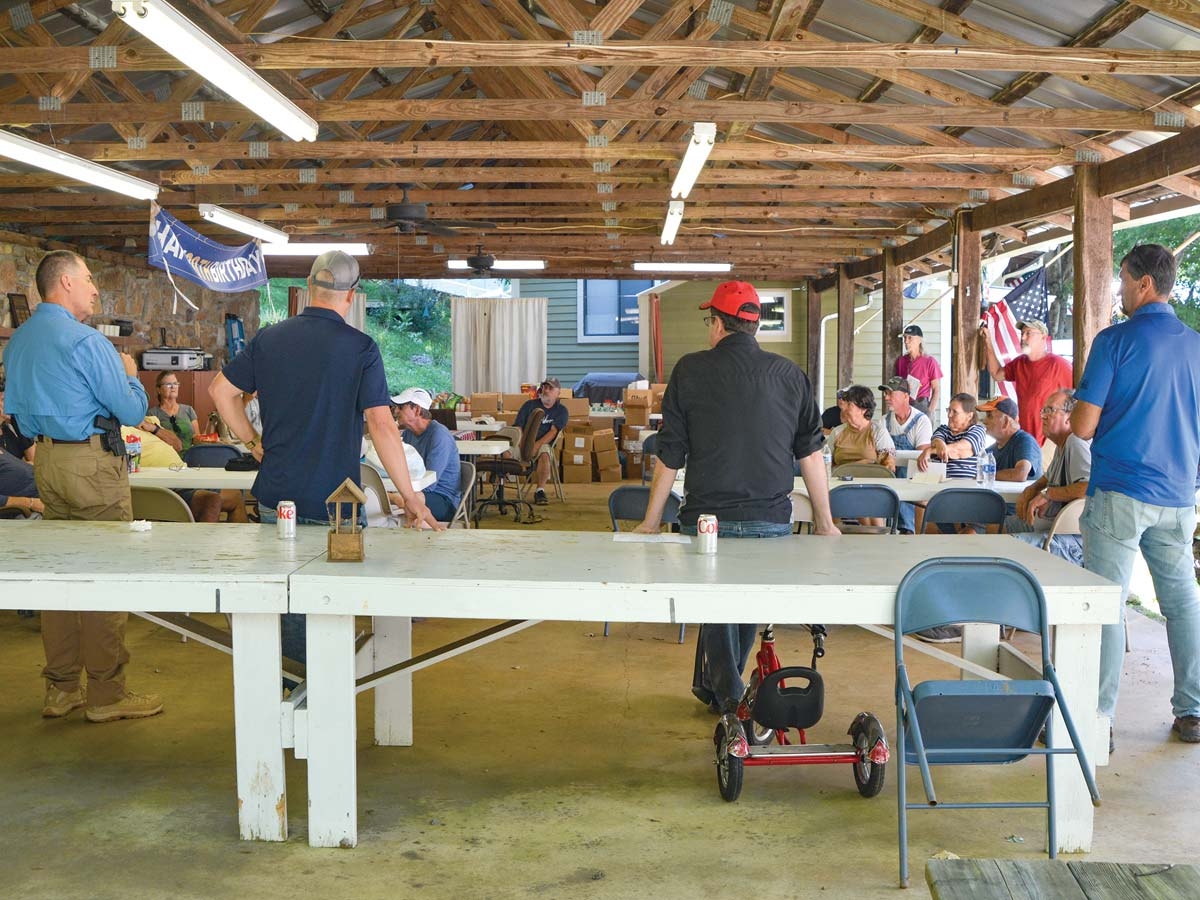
[868, 776]
[729, 768]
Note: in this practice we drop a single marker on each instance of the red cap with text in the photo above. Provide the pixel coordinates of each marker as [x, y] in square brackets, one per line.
[735, 298]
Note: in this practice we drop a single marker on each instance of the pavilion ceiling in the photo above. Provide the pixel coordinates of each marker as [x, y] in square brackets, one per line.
[843, 127]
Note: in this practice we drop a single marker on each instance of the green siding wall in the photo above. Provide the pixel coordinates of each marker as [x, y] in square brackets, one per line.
[566, 358]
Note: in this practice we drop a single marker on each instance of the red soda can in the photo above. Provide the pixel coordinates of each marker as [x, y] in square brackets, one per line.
[706, 534]
[285, 520]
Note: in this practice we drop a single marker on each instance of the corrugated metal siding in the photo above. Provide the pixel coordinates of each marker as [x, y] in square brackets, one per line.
[684, 332]
[566, 358]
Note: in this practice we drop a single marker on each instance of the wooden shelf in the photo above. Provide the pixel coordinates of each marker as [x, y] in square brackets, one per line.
[118, 341]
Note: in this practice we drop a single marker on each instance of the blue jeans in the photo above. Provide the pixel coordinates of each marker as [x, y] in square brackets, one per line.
[722, 650]
[1064, 546]
[1114, 528]
[292, 630]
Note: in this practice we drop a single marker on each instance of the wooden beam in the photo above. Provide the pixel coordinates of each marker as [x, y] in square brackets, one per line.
[845, 330]
[964, 377]
[1093, 258]
[893, 311]
[812, 346]
[1178, 155]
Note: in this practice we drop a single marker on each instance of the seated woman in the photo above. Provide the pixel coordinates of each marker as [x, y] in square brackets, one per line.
[206, 506]
[177, 424]
[861, 438]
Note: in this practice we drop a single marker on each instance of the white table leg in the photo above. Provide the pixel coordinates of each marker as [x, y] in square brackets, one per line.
[332, 766]
[980, 644]
[261, 785]
[393, 698]
[1077, 662]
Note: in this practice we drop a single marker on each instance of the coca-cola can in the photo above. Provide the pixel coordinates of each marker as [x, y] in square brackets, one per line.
[285, 520]
[706, 534]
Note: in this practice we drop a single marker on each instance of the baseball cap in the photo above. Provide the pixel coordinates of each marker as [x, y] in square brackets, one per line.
[895, 383]
[416, 396]
[913, 329]
[548, 384]
[731, 296]
[999, 404]
[1035, 324]
[340, 271]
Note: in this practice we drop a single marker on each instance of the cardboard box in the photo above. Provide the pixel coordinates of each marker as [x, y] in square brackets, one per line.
[639, 397]
[576, 409]
[602, 439]
[656, 396]
[507, 417]
[576, 443]
[488, 403]
[576, 458]
[513, 402]
[611, 474]
[606, 459]
[637, 416]
[577, 474]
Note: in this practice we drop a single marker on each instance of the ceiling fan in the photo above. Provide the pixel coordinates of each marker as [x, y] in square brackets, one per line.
[481, 263]
[410, 217]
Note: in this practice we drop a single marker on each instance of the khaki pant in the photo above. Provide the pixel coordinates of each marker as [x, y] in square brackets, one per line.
[84, 481]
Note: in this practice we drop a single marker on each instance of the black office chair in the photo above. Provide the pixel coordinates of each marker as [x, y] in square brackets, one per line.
[966, 506]
[862, 501]
[210, 456]
[447, 417]
[628, 504]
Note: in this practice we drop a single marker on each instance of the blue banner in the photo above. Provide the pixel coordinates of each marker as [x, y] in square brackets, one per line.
[181, 251]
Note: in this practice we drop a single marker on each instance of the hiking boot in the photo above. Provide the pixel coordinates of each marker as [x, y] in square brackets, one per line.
[943, 634]
[540, 498]
[59, 703]
[131, 706]
[1188, 728]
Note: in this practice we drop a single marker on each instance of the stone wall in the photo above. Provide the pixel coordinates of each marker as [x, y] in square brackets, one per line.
[131, 290]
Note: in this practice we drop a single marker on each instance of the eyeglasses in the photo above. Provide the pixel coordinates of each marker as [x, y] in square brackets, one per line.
[174, 425]
[708, 320]
[1047, 410]
[169, 384]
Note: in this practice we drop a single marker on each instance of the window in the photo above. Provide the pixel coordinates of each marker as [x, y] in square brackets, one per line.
[608, 310]
[775, 320]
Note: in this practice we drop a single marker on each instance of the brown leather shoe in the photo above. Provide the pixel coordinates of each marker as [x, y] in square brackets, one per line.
[1188, 728]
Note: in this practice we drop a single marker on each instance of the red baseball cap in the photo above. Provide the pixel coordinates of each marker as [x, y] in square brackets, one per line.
[733, 298]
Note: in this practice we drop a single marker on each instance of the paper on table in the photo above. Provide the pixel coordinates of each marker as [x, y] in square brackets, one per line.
[628, 537]
[935, 473]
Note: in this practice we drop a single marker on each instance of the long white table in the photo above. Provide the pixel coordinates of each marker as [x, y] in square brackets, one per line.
[481, 448]
[580, 576]
[219, 479]
[923, 492]
[240, 570]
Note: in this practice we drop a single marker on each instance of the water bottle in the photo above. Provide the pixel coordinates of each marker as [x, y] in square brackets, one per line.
[827, 453]
[980, 478]
[989, 470]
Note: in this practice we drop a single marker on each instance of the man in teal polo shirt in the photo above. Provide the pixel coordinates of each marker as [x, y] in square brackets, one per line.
[1139, 401]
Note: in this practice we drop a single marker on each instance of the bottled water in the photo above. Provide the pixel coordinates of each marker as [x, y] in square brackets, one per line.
[827, 453]
[979, 464]
[989, 470]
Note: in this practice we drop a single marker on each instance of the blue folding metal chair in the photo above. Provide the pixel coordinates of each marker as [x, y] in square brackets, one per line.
[628, 504]
[862, 501]
[649, 451]
[982, 722]
[966, 506]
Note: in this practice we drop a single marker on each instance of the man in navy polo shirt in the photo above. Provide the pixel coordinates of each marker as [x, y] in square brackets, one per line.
[1139, 401]
[316, 376]
[554, 420]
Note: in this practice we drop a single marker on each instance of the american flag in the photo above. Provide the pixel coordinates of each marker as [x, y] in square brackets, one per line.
[1028, 300]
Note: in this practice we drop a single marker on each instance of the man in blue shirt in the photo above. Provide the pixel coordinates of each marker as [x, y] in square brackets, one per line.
[435, 443]
[62, 375]
[554, 420]
[1139, 402]
[316, 377]
[1018, 456]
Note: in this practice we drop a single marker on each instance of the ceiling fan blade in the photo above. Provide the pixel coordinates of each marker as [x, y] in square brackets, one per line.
[469, 224]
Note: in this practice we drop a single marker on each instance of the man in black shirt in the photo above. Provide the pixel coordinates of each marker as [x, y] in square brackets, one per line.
[738, 417]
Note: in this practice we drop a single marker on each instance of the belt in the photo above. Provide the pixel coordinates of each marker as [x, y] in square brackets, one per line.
[49, 440]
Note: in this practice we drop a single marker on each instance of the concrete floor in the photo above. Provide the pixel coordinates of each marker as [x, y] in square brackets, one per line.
[554, 764]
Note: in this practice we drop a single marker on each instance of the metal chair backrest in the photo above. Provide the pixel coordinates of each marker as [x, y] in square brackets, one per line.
[649, 449]
[158, 504]
[210, 456]
[863, 470]
[466, 488]
[1067, 521]
[973, 505]
[529, 433]
[856, 501]
[628, 504]
[372, 482]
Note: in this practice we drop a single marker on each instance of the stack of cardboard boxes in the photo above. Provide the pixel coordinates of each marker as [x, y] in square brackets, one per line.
[604, 455]
[637, 407]
[577, 454]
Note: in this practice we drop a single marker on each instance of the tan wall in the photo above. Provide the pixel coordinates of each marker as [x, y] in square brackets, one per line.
[684, 332]
[142, 295]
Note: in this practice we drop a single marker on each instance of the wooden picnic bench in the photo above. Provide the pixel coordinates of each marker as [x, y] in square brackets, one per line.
[1056, 879]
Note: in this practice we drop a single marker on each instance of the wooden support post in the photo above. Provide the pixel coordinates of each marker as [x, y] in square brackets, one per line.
[845, 332]
[967, 289]
[1093, 262]
[814, 334]
[893, 311]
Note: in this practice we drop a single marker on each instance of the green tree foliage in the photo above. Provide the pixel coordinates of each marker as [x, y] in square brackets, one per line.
[1171, 234]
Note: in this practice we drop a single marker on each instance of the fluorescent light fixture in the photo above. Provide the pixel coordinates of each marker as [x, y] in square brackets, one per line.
[314, 249]
[704, 135]
[501, 265]
[237, 222]
[183, 39]
[34, 154]
[673, 221]
[681, 267]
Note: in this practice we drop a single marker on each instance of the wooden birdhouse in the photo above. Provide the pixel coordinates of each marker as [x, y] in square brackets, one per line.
[345, 534]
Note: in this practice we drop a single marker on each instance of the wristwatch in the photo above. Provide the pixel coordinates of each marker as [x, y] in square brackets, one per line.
[251, 444]
[157, 429]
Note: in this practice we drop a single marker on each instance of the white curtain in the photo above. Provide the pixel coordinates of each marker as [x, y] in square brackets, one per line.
[357, 316]
[498, 342]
